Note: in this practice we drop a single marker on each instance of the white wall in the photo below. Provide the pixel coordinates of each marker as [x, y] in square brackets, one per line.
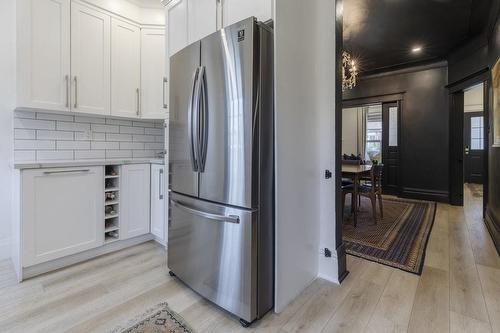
[7, 104]
[305, 75]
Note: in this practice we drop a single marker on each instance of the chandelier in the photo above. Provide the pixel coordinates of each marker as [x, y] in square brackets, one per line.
[349, 71]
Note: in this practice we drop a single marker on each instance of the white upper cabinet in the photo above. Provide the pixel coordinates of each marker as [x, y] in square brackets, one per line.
[125, 69]
[177, 23]
[236, 10]
[90, 60]
[153, 85]
[202, 19]
[43, 46]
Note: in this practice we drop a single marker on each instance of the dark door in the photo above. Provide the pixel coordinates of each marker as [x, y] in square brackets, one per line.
[474, 147]
[391, 119]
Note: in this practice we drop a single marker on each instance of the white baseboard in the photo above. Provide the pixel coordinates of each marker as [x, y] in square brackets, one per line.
[5, 248]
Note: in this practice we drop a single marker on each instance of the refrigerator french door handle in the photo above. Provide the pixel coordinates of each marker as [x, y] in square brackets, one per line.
[223, 218]
[193, 124]
[204, 119]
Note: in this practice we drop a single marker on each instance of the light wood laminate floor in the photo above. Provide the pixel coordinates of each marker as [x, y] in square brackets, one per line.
[459, 291]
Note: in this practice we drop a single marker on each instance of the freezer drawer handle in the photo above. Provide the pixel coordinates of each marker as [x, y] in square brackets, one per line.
[231, 218]
[66, 171]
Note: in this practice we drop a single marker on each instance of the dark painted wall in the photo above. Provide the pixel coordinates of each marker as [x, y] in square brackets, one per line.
[424, 128]
[471, 58]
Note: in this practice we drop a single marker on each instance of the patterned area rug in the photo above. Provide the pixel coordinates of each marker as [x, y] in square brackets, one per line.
[398, 240]
[159, 319]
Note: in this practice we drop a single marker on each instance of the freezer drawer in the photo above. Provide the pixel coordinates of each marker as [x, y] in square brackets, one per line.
[212, 248]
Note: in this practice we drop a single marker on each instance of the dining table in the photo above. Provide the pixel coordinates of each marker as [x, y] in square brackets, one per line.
[355, 172]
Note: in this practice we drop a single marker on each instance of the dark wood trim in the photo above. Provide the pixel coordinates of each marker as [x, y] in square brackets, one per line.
[339, 243]
[349, 103]
[487, 131]
[469, 81]
[409, 67]
[492, 227]
[456, 144]
[425, 194]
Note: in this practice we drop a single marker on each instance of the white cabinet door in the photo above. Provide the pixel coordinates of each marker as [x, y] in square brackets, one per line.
[90, 60]
[153, 85]
[158, 203]
[43, 54]
[177, 26]
[125, 69]
[236, 10]
[135, 200]
[202, 19]
[62, 212]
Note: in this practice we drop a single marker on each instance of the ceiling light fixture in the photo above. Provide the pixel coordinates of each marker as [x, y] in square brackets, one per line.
[349, 71]
[416, 49]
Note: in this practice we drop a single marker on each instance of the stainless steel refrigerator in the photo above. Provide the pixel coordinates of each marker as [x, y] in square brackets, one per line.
[221, 148]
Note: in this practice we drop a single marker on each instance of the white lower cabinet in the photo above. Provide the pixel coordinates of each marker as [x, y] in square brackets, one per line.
[135, 200]
[62, 212]
[158, 203]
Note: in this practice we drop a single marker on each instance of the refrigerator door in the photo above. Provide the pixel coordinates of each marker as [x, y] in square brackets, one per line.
[212, 249]
[228, 135]
[183, 125]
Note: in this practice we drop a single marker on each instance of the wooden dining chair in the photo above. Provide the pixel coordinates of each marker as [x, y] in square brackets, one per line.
[373, 190]
[348, 181]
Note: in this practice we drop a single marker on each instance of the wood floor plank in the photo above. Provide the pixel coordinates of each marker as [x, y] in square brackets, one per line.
[393, 310]
[430, 311]
[490, 282]
[463, 324]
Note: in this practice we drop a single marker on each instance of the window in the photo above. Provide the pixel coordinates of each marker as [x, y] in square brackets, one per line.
[477, 133]
[374, 132]
[393, 126]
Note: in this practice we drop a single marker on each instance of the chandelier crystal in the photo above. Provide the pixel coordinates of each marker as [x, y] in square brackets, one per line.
[349, 71]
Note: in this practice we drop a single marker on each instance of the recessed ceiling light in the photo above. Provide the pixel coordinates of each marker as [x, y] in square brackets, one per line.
[416, 49]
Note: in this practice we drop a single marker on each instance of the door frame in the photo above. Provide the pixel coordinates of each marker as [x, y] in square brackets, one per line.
[467, 142]
[385, 138]
[456, 135]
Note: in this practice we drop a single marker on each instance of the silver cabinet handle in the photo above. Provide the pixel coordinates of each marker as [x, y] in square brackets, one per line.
[231, 218]
[66, 171]
[67, 90]
[165, 106]
[138, 101]
[160, 187]
[76, 92]
[193, 123]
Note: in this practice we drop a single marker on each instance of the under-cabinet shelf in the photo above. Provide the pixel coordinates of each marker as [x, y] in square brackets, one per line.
[111, 177]
[111, 189]
[112, 202]
[110, 216]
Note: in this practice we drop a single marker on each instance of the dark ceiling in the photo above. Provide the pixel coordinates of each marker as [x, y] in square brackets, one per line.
[381, 33]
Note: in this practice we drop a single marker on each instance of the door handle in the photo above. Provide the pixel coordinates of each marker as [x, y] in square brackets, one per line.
[193, 124]
[65, 172]
[138, 92]
[160, 187]
[76, 92]
[204, 118]
[165, 81]
[231, 218]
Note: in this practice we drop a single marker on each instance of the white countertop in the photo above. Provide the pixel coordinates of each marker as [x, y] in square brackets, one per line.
[76, 163]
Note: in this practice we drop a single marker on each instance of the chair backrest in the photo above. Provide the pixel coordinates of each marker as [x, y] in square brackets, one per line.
[376, 175]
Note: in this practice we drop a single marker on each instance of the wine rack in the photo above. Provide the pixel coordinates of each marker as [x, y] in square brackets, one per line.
[112, 203]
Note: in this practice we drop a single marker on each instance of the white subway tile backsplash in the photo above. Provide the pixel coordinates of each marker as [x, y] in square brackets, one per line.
[53, 135]
[131, 130]
[154, 131]
[118, 137]
[111, 121]
[105, 128]
[34, 124]
[52, 116]
[132, 145]
[103, 145]
[90, 120]
[34, 145]
[73, 145]
[54, 155]
[89, 154]
[143, 138]
[153, 145]
[24, 134]
[25, 155]
[118, 153]
[75, 127]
